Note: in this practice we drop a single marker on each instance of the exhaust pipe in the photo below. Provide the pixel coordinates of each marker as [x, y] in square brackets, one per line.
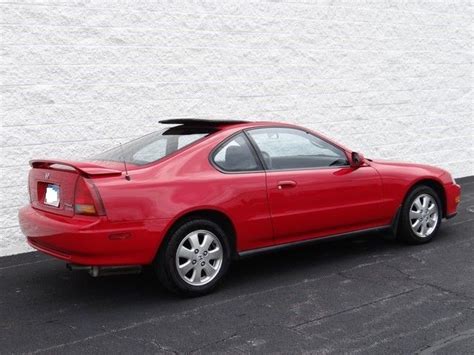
[96, 271]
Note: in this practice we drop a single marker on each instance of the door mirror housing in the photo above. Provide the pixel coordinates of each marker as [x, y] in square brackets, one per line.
[357, 159]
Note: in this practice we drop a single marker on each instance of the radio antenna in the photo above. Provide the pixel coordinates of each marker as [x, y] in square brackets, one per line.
[127, 177]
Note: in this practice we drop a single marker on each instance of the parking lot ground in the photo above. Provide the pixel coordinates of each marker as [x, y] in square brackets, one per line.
[364, 295]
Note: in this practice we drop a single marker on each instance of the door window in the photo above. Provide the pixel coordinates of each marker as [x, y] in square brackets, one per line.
[288, 148]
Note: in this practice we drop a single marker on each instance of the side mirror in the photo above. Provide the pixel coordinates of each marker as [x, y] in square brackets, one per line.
[357, 159]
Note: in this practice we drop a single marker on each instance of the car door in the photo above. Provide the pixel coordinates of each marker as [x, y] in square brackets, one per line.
[312, 190]
[241, 184]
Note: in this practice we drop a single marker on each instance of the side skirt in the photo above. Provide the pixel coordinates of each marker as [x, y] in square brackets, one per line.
[341, 236]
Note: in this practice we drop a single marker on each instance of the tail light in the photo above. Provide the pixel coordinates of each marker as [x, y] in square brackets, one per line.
[87, 200]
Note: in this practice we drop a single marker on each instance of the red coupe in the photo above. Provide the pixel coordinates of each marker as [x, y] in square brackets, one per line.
[190, 198]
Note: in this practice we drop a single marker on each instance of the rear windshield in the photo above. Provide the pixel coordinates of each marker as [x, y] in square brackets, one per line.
[154, 146]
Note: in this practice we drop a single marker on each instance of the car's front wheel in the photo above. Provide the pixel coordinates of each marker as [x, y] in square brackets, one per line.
[420, 216]
[194, 259]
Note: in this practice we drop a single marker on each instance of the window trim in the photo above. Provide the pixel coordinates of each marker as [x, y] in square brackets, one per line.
[262, 161]
[255, 154]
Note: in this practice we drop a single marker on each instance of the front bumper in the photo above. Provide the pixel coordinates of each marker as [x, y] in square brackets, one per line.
[92, 240]
[453, 198]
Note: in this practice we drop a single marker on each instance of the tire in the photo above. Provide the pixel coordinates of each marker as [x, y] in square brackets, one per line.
[194, 258]
[420, 217]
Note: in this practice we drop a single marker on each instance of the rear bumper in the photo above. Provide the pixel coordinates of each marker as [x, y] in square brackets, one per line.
[453, 197]
[92, 240]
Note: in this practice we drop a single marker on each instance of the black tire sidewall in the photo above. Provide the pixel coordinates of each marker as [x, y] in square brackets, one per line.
[169, 256]
[405, 232]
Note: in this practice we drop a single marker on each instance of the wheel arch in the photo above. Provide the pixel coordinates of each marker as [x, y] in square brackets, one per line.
[214, 215]
[436, 185]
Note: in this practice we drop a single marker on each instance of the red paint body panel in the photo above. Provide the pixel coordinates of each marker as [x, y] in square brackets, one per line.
[398, 178]
[86, 240]
[325, 201]
[312, 203]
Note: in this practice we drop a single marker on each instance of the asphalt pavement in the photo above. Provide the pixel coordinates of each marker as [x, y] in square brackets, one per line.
[364, 295]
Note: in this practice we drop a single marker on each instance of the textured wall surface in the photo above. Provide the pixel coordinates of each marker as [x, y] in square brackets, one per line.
[392, 79]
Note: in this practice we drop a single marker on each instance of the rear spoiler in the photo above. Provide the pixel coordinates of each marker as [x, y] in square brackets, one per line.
[83, 168]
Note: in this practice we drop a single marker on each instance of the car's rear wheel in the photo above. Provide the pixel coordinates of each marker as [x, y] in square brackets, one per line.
[421, 216]
[194, 258]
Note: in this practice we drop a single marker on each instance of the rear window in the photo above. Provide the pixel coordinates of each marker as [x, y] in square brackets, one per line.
[155, 146]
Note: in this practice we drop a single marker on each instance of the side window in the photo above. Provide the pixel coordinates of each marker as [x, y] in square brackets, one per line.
[288, 148]
[235, 155]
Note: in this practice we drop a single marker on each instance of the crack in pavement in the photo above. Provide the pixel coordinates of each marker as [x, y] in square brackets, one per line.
[145, 341]
[410, 277]
[440, 344]
[404, 273]
[447, 290]
[222, 340]
[406, 334]
[381, 299]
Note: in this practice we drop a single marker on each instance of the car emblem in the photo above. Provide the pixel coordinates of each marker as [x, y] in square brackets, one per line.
[47, 176]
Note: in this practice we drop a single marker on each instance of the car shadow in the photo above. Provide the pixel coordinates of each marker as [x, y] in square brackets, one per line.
[288, 265]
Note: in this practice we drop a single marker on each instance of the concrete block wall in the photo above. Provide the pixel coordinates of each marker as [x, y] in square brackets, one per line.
[392, 79]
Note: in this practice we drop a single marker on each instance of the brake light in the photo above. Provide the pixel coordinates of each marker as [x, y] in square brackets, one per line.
[87, 200]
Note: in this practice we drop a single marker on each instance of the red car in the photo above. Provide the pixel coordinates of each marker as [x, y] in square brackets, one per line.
[190, 198]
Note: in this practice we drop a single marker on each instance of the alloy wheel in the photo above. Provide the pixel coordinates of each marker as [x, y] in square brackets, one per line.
[424, 215]
[199, 257]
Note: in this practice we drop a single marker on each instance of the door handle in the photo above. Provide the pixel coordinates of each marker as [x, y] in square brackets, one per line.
[286, 184]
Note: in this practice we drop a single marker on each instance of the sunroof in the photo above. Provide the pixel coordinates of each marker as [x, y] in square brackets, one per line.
[200, 122]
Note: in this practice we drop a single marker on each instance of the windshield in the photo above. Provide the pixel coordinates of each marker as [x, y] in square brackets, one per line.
[154, 146]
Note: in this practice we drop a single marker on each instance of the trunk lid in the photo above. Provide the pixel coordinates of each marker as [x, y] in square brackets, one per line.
[52, 183]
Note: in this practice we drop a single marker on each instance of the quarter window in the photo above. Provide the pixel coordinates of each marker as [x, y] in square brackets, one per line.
[236, 155]
[288, 148]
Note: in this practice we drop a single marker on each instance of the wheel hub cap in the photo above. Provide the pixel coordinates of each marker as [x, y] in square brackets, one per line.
[424, 215]
[199, 257]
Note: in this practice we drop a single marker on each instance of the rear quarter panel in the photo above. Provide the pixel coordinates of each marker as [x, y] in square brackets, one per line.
[187, 182]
